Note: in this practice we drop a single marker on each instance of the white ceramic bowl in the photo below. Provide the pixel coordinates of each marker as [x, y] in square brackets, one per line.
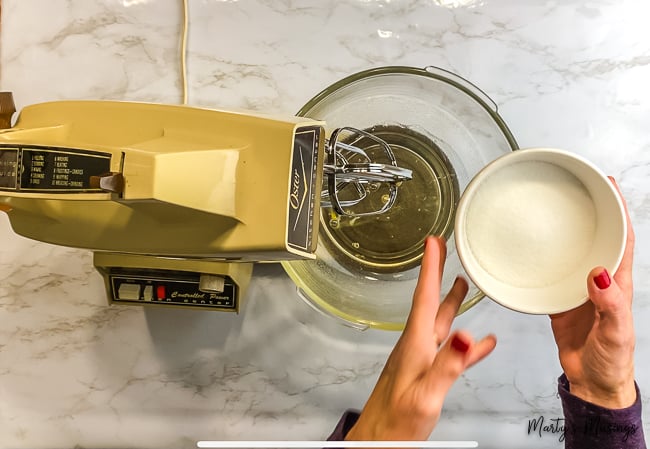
[533, 223]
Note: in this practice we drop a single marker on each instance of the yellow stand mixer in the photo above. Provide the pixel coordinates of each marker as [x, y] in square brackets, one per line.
[178, 202]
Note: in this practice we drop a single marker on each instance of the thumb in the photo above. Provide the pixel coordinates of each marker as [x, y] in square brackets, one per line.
[607, 296]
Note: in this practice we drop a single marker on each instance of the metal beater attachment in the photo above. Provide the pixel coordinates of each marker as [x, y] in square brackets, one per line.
[349, 168]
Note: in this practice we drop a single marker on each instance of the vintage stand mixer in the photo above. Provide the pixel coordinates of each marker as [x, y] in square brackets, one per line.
[178, 202]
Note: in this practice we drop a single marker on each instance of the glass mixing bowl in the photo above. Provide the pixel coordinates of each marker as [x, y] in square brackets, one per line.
[445, 130]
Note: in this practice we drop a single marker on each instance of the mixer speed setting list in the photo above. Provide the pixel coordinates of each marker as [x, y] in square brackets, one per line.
[50, 169]
[8, 168]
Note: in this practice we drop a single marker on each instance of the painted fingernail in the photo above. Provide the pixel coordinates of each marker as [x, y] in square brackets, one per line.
[603, 280]
[459, 344]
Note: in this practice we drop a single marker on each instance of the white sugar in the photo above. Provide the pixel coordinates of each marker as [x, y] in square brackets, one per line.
[531, 224]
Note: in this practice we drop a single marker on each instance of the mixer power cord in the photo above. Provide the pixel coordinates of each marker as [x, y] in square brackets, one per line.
[184, 32]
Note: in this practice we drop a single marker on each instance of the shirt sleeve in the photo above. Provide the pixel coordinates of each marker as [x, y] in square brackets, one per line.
[590, 426]
[346, 422]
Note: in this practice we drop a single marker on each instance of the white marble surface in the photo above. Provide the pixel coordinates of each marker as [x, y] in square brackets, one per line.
[74, 372]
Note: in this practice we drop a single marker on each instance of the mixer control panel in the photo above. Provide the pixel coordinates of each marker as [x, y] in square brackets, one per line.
[171, 288]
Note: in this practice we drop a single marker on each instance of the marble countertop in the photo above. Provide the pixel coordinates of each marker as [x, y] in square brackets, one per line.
[75, 372]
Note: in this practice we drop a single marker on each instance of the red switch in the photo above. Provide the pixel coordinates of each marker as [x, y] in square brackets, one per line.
[160, 292]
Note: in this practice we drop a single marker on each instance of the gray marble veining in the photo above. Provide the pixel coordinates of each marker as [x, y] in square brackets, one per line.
[74, 371]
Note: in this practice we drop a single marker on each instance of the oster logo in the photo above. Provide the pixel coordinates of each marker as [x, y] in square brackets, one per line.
[299, 186]
[302, 189]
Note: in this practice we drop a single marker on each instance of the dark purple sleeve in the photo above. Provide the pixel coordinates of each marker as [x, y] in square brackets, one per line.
[346, 422]
[590, 426]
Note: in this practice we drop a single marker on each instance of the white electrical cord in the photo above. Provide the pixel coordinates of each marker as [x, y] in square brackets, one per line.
[184, 32]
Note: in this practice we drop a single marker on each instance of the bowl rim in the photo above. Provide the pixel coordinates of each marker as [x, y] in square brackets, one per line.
[437, 73]
[528, 154]
[306, 293]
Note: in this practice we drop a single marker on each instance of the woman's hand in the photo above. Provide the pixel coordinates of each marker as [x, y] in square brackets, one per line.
[407, 400]
[596, 340]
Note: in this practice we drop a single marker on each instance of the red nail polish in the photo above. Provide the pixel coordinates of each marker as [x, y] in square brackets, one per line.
[603, 280]
[459, 345]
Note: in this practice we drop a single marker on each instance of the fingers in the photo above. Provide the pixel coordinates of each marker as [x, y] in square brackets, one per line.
[449, 308]
[455, 356]
[624, 273]
[427, 292]
[482, 349]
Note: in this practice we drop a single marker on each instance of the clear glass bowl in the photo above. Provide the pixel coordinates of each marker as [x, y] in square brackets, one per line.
[443, 128]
